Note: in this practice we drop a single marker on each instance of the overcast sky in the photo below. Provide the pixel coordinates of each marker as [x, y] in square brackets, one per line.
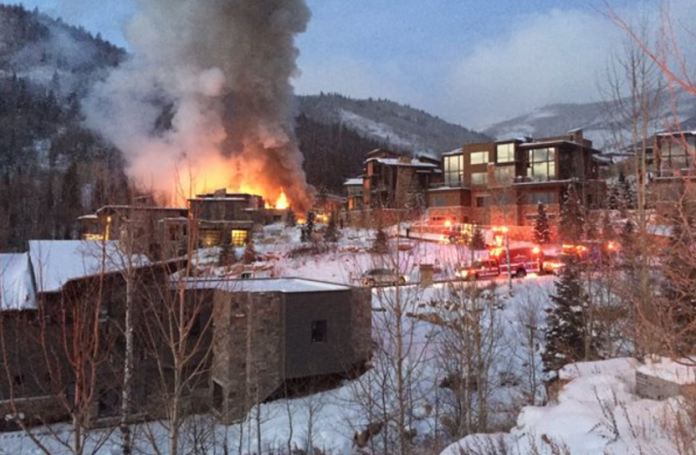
[472, 62]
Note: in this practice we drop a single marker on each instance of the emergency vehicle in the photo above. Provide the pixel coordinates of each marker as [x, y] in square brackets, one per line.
[523, 261]
[590, 252]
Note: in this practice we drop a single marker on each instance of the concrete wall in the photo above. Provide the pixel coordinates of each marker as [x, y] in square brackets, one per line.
[304, 357]
[262, 339]
[248, 353]
[655, 388]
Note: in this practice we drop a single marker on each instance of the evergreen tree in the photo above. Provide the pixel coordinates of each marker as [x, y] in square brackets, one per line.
[227, 255]
[572, 217]
[566, 331]
[542, 231]
[591, 229]
[331, 232]
[607, 229]
[381, 243]
[249, 251]
[477, 242]
[290, 218]
[309, 226]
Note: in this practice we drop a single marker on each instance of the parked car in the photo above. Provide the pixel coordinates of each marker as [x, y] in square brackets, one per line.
[382, 277]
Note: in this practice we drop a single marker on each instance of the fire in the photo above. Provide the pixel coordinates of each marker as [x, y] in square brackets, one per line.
[216, 174]
[282, 202]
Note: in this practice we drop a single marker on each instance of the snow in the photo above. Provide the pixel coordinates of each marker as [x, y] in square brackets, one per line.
[16, 286]
[396, 162]
[284, 285]
[372, 127]
[682, 373]
[55, 262]
[595, 412]
[353, 182]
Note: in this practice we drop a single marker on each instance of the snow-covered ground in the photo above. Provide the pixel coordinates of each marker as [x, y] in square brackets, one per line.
[596, 412]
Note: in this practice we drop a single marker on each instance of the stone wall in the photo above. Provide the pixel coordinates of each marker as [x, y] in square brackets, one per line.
[247, 351]
[654, 388]
[361, 323]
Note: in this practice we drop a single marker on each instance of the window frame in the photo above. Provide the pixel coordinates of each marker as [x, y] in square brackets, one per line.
[509, 152]
[485, 157]
[548, 164]
[319, 331]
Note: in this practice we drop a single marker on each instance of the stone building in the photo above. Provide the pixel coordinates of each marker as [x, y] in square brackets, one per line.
[222, 217]
[158, 232]
[397, 180]
[268, 331]
[243, 340]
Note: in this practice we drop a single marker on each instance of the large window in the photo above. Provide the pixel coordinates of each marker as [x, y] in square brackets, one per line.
[504, 175]
[479, 157]
[454, 170]
[438, 201]
[677, 155]
[239, 237]
[479, 178]
[544, 197]
[505, 153]
[542, 163]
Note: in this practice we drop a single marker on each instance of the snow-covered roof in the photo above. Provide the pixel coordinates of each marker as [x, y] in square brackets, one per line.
[221, 198]
[355, 181]
[284, 285]
[454, 152]
[675, 133]
[16, 284]
[397, 162]
[55, 262]
[555, 142]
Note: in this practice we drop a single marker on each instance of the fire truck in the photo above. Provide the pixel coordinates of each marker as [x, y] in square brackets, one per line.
[592, 253]
[523, 261]
[457, 233]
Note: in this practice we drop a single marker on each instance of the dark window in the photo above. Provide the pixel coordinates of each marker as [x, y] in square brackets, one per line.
[319, 331]
[481, 201]
[218, 396]
[109, 402]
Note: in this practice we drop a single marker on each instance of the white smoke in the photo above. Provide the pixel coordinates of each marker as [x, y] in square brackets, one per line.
[207, 89]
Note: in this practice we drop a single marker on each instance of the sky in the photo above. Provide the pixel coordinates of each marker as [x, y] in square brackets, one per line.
[471, 62]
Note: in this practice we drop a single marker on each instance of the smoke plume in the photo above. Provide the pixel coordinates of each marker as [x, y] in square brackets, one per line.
[205, 101]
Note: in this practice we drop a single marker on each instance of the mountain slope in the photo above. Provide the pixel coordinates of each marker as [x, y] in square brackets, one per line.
[51, 169]
[594, 118]
[398, 126]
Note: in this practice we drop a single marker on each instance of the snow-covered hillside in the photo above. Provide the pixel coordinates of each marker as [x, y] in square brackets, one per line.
[389, 122]
[594, 118]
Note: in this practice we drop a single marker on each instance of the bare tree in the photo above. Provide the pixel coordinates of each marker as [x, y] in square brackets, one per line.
[392, 389]
[469, 343]
[638, 94]
[62, 361]
[176, 332]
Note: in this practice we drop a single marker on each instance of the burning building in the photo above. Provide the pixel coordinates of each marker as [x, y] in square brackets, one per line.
[206, 101]
[222, 217]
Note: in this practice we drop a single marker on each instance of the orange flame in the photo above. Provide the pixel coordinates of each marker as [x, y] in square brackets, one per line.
[282, 202]
[215, 174]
